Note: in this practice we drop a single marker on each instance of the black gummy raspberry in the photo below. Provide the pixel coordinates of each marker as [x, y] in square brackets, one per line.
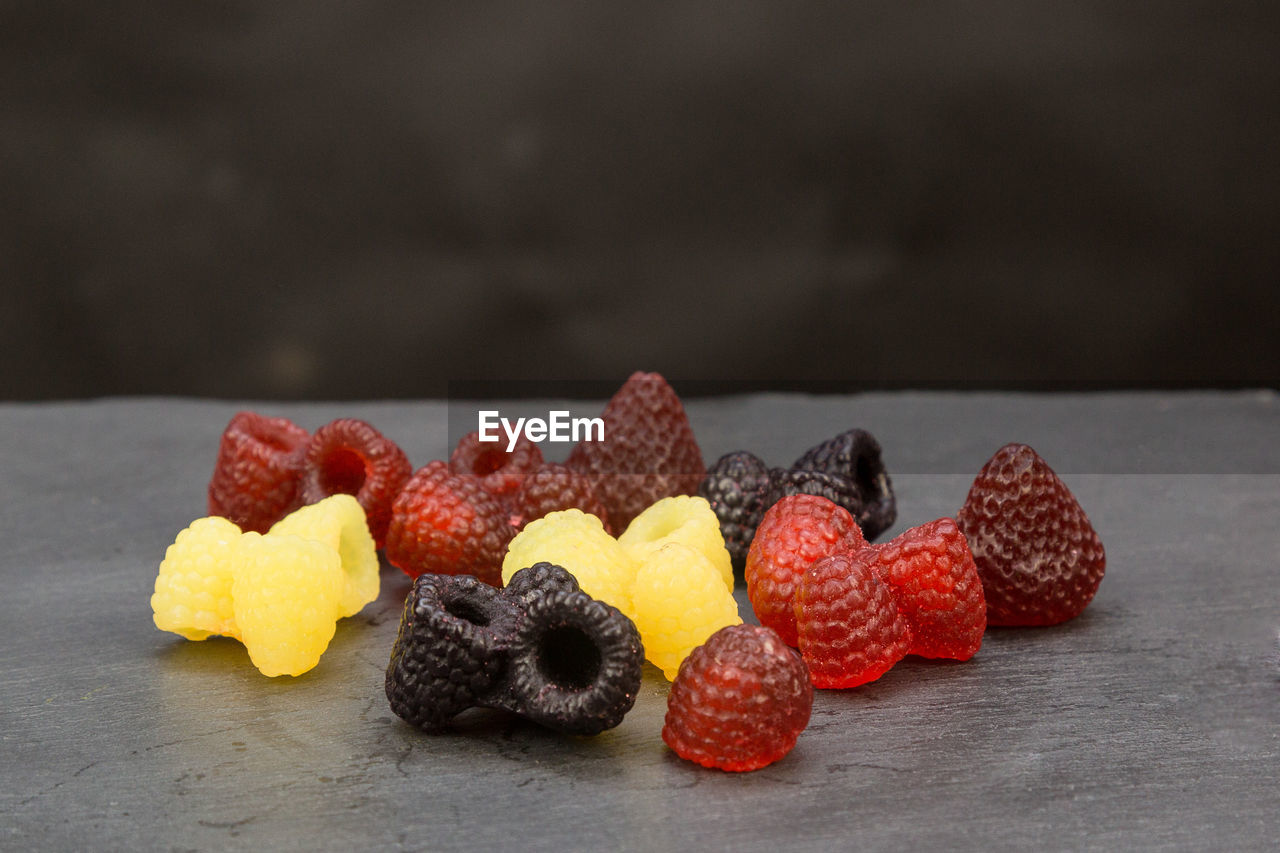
[537, 580]
[785, 482]
[540, 648]
[855, 456]
[450, 651]
[575, 663]
[736, 487]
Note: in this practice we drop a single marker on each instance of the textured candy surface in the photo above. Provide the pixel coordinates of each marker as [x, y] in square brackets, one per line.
[501, 473]
[576, 663]
[579, 543]
[736, 487]
[739, 702]
[795, 532]
[349, 456]
[256, 478]
[855, 456]
[686, 519]
[1038, 555]
[784, 482]
[648, 452]
[539, 647]
[446, 524]
[339, 522]
[554, 487]
[451, 648]
[679, 600]
[937, 588]
[849, 625]
[193, 586]
[285, 595]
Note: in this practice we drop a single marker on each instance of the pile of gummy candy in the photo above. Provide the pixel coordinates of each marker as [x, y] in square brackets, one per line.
[524, 599]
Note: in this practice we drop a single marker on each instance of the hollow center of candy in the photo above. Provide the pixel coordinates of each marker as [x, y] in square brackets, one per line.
[864, 476]
[568, 658]
[343, 472]
[465, 608]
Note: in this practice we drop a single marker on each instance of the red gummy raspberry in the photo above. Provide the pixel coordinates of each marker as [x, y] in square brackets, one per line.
[1039, 558]
[255, 481]
[850, 628]
[555, 487]
[648, 452]
[500, 473]
[936, 584]
[739, 701]
[794, 533]
[445, 524]
[349, 456]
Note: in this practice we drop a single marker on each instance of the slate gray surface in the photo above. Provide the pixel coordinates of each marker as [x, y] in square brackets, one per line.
[1150, 722]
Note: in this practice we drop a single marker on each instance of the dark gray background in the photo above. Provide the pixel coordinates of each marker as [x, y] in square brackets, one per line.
[369, 199]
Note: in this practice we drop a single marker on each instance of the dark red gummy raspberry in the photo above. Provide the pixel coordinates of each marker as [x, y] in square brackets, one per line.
[500, 472]
[850, 628]
[794, 533]
[351, 457]
[256, 479]
[739, 701]
[936, 584]
[735, 487]
[648, 452]
[552, 488]
[855, 457]
[1039, 558]
[446, 524]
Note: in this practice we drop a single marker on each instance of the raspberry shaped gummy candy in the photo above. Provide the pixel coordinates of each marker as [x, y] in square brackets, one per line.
[446, 524]
[554, 487]
[736, 487]
[794, 533]
[784, 482]
[849, 625]
[350, 456]
[936, 585]
[451, 648]
[256, 479]
[339, 522]
[578, 542]
[685, 519]
[281, 593]
[740, 701]
[285, 597]
[855, 457]
[678, 601]
[540, 648]
[648, 451]
[500, 472]
[1038, 555]
[193, 586]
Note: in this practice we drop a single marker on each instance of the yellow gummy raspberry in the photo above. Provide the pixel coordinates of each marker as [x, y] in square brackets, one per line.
[577, 542]
[339, 522]
[689, 520]
[680, 601]
[193, 587]
[286, 593]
